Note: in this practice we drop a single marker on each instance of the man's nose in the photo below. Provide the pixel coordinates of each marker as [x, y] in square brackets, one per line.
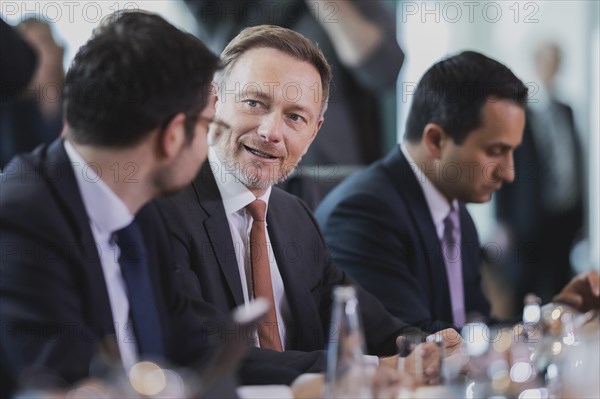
[507, 169]
[271, 128]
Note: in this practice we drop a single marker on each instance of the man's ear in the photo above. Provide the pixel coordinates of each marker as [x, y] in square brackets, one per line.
[314, 133]
[435, 139]
[215, 95]
[172, 138]
[317, 128]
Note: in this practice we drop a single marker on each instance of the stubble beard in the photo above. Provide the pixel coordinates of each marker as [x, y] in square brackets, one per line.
[251, 174]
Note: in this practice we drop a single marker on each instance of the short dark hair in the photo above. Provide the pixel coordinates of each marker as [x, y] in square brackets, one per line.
[286, 40]
[134, 75]
[452, 94]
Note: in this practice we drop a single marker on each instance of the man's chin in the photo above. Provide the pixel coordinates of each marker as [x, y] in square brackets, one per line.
[169, 191]
[475, 198]
[255, 183]
[482, 198]
[260, 182]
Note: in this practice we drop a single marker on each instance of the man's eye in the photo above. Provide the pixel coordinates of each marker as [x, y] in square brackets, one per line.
[296, 118]
[252, 103]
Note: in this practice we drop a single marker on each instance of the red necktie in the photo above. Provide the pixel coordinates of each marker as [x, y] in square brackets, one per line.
[268, 331]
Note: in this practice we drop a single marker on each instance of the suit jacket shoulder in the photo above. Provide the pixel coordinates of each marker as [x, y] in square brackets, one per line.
[50, 271]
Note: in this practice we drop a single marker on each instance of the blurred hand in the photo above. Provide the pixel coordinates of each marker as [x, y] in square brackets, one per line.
[387, 381]
[389, 362]
[423, 362]
[582, 292]
[451, 339]
[309, 388]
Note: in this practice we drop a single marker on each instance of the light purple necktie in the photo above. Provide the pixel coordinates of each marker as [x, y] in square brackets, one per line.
[453, 261]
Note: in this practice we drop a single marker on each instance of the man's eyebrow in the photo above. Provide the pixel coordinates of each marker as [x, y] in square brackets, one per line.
[503, 146]
[263, 96]
[258, 94]
[301, 108]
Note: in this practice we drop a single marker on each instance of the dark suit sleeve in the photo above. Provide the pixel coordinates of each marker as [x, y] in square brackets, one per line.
[380, 327]
[370, 242]
[43, 328]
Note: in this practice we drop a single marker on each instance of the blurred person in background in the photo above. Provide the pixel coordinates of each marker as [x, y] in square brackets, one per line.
[35, 116]
[15, 71]
[358, 38]
[542, 210]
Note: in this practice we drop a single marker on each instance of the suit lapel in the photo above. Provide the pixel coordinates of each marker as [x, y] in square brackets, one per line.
[58, 173]
[217, 230]
[409, 188]
[300, 330]
[469, 242]
[471, 263]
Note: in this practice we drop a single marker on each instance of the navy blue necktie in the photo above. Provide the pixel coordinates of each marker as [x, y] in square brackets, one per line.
[142, 298]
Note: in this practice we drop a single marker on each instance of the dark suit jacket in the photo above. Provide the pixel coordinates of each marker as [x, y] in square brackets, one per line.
[54, 305]
[379, 227]
[206, 259]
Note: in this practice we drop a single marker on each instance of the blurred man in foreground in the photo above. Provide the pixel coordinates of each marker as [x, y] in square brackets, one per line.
[85, 263]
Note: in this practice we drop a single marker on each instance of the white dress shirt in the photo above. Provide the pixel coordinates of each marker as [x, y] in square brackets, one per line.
[436, 202]
[107, 214]
[235, 197]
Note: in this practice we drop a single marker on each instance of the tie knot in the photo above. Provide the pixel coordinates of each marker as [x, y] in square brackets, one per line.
[257, 209]
[449, 223]
[131, 242]
[451, 215]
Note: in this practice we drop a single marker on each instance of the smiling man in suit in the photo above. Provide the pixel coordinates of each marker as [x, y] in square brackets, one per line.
[400, 227]
[273, 91]
[85, 262]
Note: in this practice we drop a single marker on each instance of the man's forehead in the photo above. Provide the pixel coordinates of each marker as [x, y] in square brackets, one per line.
[267, 88]
[502, 122]
[262, 60]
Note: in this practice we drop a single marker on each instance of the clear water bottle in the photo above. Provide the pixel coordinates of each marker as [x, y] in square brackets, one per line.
[348, 374]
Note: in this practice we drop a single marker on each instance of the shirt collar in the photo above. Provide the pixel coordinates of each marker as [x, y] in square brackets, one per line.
[436, 202]
[234, 193]
[107, 212]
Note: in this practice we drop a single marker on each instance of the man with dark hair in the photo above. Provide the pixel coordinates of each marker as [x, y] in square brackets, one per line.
[400, 227]
[273, 90]
[85, 264]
